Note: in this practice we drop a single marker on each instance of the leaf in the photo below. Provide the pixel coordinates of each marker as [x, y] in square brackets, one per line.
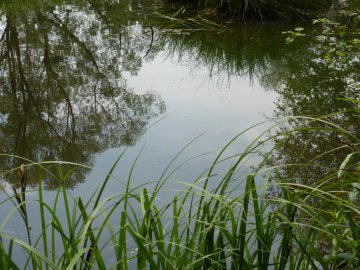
[289, 40]
[353, 195]
[345, 163]
[321, 38]
[356, 186]
[350, 257]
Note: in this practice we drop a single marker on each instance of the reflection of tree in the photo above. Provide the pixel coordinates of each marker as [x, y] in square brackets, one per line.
[305, 83]
[306, 86]
[246, 50]
[309, 87]
[62, 94]
[314, 153]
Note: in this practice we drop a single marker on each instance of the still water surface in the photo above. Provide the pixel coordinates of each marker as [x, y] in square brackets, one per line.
[82, 81]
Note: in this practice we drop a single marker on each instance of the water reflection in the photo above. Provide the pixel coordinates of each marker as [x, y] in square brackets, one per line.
[63, 96]
[309, 86]
[252, 51]
[306, 85]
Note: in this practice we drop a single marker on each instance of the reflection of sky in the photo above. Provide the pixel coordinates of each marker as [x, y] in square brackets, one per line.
[3, 118]
[2, 23]
[195, 105]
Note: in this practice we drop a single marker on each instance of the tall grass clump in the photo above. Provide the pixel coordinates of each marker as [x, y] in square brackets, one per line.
[235, 224]
[265, 9]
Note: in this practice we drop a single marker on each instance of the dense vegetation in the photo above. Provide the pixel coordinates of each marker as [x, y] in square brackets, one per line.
[235, 225]
[264, 9]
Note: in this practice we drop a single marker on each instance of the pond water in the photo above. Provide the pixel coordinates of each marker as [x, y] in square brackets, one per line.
[80, 81]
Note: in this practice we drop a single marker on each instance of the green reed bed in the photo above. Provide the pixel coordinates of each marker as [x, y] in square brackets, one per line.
[299, 226]
[264, 9]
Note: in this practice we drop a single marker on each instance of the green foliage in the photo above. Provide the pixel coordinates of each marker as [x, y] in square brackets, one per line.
[341, 42]
[237, 225]
[293, 34]
[263, 9]
[339, 38]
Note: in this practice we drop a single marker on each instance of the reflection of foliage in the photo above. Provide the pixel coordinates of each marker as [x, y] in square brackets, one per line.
[62, 92]
[341, 43]
[316, 156]
[307, 86]
[260, 9]
[250, 51]
[318, 84]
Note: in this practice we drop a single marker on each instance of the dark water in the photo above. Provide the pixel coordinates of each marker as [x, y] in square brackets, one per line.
[81, 81]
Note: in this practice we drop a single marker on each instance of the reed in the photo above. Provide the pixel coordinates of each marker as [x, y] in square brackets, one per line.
[264, 9]
[236, 225]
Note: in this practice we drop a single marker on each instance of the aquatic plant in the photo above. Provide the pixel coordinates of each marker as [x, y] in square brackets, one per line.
[235, 224]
